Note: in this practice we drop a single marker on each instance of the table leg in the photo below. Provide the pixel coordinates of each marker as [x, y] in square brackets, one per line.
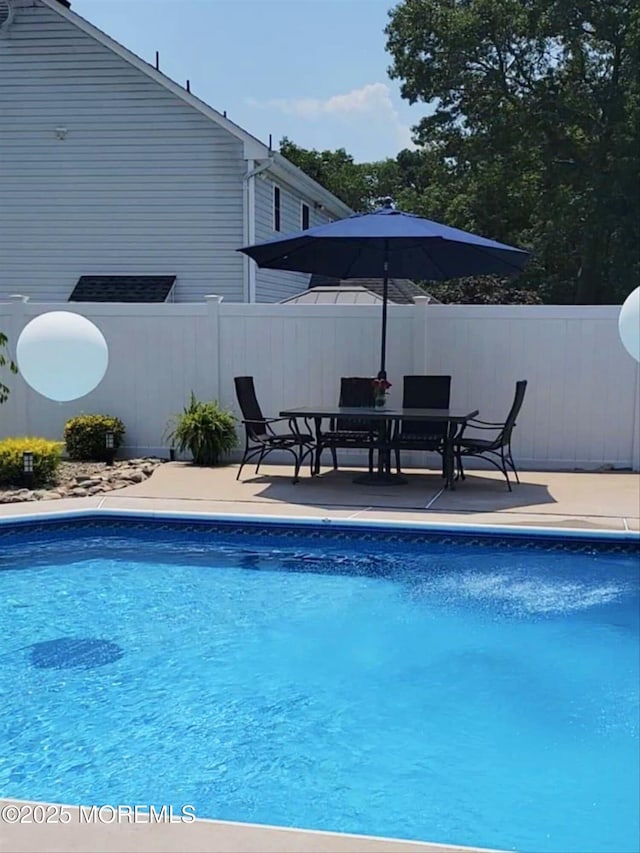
[449, 462]
[383, 476]
[317, 422]
[382, 437]
[386, 452]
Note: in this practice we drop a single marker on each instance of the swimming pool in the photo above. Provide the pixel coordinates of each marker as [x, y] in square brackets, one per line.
[465, 689]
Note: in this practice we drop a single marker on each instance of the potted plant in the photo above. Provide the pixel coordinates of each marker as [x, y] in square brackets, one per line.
[205, 430]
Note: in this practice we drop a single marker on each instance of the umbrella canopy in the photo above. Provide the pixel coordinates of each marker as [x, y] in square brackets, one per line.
[390, 244]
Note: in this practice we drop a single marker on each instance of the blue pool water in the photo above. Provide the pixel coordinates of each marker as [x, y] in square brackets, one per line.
[458, 690]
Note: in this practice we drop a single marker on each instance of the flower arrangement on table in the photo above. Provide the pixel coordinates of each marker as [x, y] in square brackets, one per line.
[381, 387]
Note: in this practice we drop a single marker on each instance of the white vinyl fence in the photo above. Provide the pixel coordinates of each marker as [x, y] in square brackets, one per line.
[581, 409]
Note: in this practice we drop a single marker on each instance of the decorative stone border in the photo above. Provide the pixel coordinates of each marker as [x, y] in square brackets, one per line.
[81, 480]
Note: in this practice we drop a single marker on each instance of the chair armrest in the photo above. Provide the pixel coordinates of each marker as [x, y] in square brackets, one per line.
[478, 424]
[292, 422]
[266, 421]
[482, 426]
[487, 424]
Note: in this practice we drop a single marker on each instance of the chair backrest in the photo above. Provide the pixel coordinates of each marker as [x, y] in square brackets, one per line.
[355, 392]
[249, 406]
[425, 392]
[505, 435]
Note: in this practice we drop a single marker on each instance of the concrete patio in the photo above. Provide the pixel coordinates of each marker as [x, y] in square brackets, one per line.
[576, 500]
[580, 500]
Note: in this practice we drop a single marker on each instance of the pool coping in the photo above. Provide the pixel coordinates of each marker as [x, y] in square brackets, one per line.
[219, 836]
[503, 530]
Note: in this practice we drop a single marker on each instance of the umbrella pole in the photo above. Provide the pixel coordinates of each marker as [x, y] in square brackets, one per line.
[382, 374]
[383, 476]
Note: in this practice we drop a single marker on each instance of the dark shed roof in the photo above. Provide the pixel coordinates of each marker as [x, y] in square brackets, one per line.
[122, 288]
[401, 290]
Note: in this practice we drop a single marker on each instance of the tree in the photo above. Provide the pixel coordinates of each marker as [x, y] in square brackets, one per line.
[483, 290]
[5, 363]
[419, 183]
[533, 137]
[335, 170]
[360, 185]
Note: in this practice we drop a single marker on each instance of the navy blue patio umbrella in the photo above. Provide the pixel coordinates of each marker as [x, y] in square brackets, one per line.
[387, 244]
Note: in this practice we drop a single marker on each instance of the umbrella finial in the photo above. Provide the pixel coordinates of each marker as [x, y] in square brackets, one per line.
[387, 202]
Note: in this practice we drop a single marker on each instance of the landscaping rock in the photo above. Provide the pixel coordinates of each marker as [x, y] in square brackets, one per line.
[80, 479]
[136, 477]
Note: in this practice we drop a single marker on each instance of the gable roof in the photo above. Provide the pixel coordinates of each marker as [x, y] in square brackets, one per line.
[400, 290]
[122, 288]
[254, 149]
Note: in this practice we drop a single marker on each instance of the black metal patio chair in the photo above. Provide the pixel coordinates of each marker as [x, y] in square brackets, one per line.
[422, 392]
[350, 433]
[260, 437]
[496, 450]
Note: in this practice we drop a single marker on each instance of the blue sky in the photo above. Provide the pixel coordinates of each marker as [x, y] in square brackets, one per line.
[312, 70]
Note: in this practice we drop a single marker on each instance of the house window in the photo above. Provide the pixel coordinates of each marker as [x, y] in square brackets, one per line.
[276, 208]
[305, 217]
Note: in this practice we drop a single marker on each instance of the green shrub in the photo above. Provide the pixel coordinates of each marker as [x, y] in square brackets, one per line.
[46, 458]
[205, 430]
[85, 437]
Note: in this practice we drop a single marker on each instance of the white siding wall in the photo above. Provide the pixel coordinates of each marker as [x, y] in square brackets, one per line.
[142, 183]
[276, 285]
[581, 410]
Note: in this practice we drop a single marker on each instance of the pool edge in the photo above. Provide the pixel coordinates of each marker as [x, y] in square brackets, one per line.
[537, 531]
[223, 836]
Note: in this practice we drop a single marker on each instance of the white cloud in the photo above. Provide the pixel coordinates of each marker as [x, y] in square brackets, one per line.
[369, 109]
[403, 135]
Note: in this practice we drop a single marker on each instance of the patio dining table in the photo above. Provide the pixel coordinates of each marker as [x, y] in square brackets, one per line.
[386, 418]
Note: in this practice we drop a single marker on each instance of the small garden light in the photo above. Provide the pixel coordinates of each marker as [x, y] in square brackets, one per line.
[27, 465]
[110, 445]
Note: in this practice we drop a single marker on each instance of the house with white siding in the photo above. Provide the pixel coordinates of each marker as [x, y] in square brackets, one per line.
[111, 172]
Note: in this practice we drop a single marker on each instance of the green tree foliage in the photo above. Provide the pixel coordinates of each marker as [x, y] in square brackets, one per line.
[483, 290]
[363, 186]
[5, 362]
[360, 185]
[533, 136]
[411, 180]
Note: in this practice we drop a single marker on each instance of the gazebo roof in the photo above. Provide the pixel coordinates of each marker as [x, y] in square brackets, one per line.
[401, 290]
